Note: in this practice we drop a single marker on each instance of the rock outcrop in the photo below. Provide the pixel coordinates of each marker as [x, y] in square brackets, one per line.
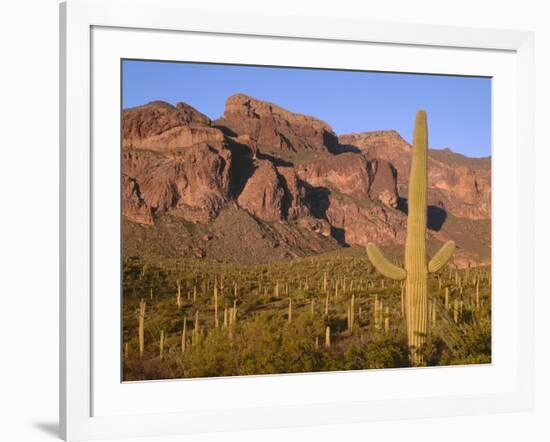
[456, 183]
[295, 205]
[161, 127]
[347, 173]
[134, 208]
[193, 182]
[263, 193]
[274, 130]
[157, 117]
[359, 223]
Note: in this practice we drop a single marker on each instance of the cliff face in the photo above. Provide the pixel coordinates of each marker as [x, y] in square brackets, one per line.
[458, 184]
[296, 186]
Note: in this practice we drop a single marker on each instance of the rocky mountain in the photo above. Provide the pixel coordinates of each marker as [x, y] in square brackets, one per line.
[262, 183]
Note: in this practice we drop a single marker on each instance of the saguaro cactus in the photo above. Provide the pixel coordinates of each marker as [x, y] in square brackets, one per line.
[216, 321]
[289, 310]
[416, 270]
[161, 344]
[141, 328]
[184, 335]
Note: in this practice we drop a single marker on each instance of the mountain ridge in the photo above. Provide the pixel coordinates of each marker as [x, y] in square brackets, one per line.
[291, 173]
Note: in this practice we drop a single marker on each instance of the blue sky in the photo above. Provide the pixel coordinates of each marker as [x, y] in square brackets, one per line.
[459, 108]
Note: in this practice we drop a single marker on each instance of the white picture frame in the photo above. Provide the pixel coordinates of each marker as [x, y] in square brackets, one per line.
[83, 413]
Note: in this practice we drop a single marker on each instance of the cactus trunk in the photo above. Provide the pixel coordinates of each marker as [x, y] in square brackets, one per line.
[416, 293]
[416, 270]
[141, 329]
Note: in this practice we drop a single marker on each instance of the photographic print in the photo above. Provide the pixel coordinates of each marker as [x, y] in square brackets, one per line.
[293, 220]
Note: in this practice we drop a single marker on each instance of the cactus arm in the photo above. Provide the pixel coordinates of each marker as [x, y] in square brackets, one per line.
[383, 265]
[441, 257]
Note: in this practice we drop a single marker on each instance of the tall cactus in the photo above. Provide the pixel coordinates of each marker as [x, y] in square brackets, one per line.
[416, 270]
[141, 327]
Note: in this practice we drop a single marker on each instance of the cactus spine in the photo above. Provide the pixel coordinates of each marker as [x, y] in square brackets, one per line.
[416, 271]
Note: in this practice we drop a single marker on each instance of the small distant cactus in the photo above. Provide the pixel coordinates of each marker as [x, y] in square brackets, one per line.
[456, 310]
[184, 335]
[141, 328]
[416, 271]
[216, 320]
[352, 311]
[289, 310]
[375, 311]
[477, 294]
[196, 329]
